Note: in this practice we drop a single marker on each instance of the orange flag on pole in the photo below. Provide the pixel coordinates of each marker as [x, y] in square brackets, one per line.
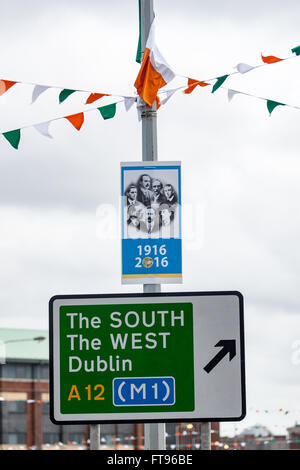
[154, 73]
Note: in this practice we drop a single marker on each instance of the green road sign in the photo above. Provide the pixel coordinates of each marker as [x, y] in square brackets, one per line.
[132, 357]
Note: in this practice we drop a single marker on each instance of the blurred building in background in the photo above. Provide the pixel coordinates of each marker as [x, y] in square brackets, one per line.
[294, 437]
[256, 438]
[24, 410]
[24, 405]
[24, 400]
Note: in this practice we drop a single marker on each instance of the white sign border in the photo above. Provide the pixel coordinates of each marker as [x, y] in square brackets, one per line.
[57, 301]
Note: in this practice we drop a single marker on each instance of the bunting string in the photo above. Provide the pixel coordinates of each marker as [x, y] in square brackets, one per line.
[109, 111]
[271, 104]
[186, 438]
[241, 68]
[129, 444]
[162, 97]
[39, 89]
[252, 409]
[77, 120]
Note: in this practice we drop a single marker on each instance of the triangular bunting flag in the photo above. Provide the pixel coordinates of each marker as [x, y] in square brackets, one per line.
[192, 85]
[231, 94]
[219, 82]
[76, 120]
[154, 73]
[94, 97]
[37, 91]
[271, 105]
[270, 59]
[5, 85]
[43, 128]
[296, 50]
[128, 102]
[13, 137]
[64, 94]
[168, 95]
[244, 68]
[109, 111]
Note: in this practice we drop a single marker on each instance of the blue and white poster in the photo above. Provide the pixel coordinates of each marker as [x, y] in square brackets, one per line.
[151, 223]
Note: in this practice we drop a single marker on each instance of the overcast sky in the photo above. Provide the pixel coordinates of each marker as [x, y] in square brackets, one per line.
[59, 198]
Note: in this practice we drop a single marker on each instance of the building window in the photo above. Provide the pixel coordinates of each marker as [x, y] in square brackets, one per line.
[16, 407]
[16, 438]
[16, 371]
[8, 371]
[50, 437]
[23, 371]
[44, 372]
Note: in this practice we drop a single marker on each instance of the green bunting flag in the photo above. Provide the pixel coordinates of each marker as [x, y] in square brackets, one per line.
[109, 111]
[271, 105]
[219, 82]
[13, 137]
[296, 50]
[64, 94]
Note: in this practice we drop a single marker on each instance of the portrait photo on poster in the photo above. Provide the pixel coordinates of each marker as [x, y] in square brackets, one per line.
[151, 222]
[151, 203]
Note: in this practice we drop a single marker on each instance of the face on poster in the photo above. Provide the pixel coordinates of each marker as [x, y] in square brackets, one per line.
[151, 222]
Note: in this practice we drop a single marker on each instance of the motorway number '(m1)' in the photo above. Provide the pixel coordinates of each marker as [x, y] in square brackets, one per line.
[138, 391]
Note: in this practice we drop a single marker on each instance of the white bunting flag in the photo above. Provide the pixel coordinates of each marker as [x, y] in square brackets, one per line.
[43, 128]
[231, 94]
[169, 95]
[128, 102]
[37, 91]
[244, 68]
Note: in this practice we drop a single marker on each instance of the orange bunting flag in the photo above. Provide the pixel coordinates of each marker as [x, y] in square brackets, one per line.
[270, 59]
[192, 85]
[94, 97]
[5, 85]
[76, 120]
[154, 73]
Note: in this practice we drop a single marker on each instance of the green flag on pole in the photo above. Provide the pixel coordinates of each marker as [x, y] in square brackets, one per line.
[138, 57]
